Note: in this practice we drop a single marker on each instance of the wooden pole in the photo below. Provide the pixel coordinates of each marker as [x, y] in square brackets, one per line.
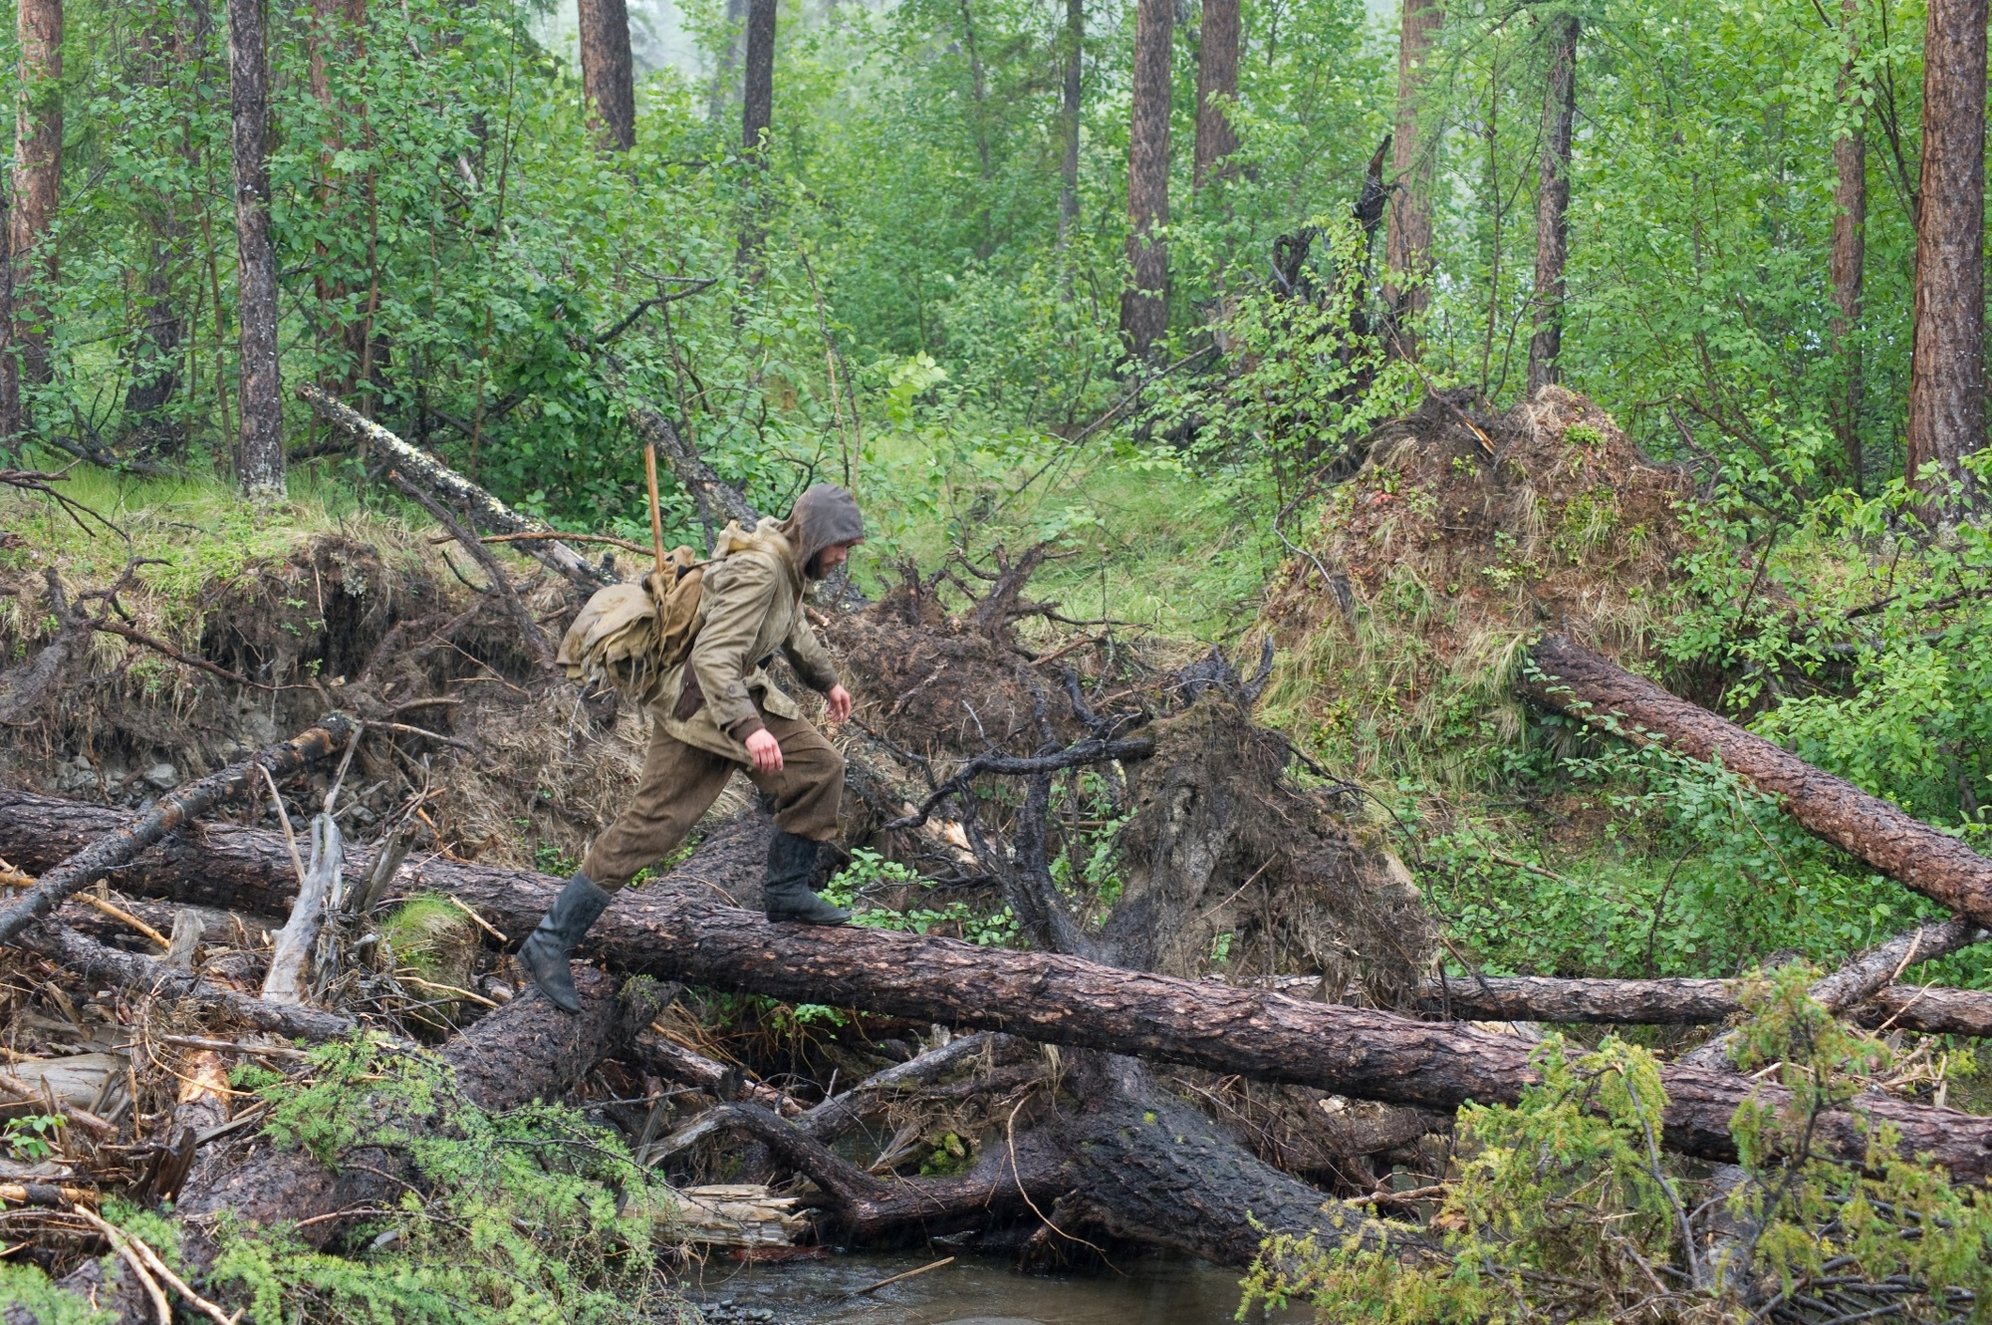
[656, 508]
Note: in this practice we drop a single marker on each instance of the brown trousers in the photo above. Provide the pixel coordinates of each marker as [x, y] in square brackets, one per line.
[680, 782]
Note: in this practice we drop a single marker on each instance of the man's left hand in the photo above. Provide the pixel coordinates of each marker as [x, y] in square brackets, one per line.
[840, 703]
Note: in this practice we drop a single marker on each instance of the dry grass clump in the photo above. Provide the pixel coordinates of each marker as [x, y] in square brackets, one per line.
[1431, 571]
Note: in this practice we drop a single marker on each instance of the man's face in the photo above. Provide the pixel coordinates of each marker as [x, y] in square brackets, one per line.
[830, 558]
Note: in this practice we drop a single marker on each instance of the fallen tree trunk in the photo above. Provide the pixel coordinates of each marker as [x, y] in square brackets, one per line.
[1583, 684]
[173, 811]
[486, 511]
[676, 929]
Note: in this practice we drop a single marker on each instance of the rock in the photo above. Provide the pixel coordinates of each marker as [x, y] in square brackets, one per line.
[162, 777]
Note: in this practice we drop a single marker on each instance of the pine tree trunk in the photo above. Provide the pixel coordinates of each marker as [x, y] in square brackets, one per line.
[1068, 119]
[1217, 85]
[10, 376]
[1559, 109]
[608, 77]
[1849, 252]
[1947, 370]
[1145, 303]
[1408, 235]
[259, 456]
[756, 115]
[37, 184]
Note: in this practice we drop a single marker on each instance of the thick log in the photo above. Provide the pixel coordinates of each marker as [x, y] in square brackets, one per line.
[486, 511]
[1942, 868]
[172, 812]
[677, 929]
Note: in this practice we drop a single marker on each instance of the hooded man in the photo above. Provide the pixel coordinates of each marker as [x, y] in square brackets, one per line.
[717, 711]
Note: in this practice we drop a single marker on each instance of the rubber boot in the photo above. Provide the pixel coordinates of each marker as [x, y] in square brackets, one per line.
[791, 865]
[546, 951]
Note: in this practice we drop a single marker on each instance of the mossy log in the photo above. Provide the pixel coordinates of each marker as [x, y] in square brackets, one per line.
[676, 928]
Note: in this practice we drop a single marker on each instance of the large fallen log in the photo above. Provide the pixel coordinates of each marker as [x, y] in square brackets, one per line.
[173, 811]
[1583, 684]
[676, 928]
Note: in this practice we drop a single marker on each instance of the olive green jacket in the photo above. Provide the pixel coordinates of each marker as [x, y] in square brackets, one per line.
[752, 605]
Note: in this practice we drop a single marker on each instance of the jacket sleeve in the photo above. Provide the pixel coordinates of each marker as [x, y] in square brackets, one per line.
[735, 607]
[807, 655]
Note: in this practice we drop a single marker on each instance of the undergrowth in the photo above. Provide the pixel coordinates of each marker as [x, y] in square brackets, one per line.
[518, 1216]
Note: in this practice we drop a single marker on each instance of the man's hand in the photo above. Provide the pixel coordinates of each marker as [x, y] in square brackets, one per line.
[767, 751]
[840, 703]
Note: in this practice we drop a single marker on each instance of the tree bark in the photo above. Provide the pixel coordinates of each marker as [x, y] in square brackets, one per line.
[1217, 87]
[10, 365]
[1408, 236]
[1849, 251]
[1947, 367]
[1905, 849]
[677, 929]
[259, 452]
[37, 185]
[1559, 109]
[757, 109]
[1074, 43]
[1144, 312]
[608, 75]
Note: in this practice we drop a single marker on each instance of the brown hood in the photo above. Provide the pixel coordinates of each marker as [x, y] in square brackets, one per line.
[823, 515]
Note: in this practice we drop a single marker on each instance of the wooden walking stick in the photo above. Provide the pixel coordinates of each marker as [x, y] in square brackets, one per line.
[656, 508]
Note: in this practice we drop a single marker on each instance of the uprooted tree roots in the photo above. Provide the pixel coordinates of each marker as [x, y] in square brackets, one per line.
[1014, 781]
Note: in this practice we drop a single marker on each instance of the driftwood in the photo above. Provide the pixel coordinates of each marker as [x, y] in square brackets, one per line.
[676, 929]
[1942, 868]
[173, 811]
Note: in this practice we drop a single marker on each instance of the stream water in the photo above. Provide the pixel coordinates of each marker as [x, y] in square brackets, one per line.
[969, 1292]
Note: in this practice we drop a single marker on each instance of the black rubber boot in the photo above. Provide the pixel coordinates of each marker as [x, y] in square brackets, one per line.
[791, 865]
[546, 950]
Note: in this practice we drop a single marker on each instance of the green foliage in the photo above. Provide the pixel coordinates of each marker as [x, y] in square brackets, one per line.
[27, 1137]
[517, 1217]
[27, 1288]
[869, 874]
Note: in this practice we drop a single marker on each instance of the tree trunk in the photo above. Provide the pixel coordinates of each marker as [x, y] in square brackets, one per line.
[1849, 251]
[720, 90]
[1217, 87]
[608, 77]
[1408, 238]
[1909, 851]
[1947, 369]
[259, 454]
[756, 116]
[677, 929]
[1144, 314]
[37, 185]
[1559, 109]
[154, 353]
[1074, 43]
[10, 367]
[337, 29]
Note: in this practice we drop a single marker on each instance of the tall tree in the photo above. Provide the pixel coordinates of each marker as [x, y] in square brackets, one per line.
[608, 77]
[1144, 311]
[758, 100]
[10, 377]
[259, 452]
[1849, 248]
[1074, 42]
[1559, 109]
[1408, 235]
[161, 41]
[1947, 366]
[37, 184]
[1217, 87]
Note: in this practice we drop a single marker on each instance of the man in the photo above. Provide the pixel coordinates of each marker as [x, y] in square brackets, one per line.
[719, 710]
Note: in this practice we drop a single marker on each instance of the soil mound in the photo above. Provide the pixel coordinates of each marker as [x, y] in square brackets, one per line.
[1459, 540]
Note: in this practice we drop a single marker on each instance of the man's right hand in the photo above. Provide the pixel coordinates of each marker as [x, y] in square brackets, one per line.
[766, 751]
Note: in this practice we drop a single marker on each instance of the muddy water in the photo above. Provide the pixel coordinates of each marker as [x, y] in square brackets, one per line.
[969, 1292]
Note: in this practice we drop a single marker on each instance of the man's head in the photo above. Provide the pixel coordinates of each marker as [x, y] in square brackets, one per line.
[824, 526]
